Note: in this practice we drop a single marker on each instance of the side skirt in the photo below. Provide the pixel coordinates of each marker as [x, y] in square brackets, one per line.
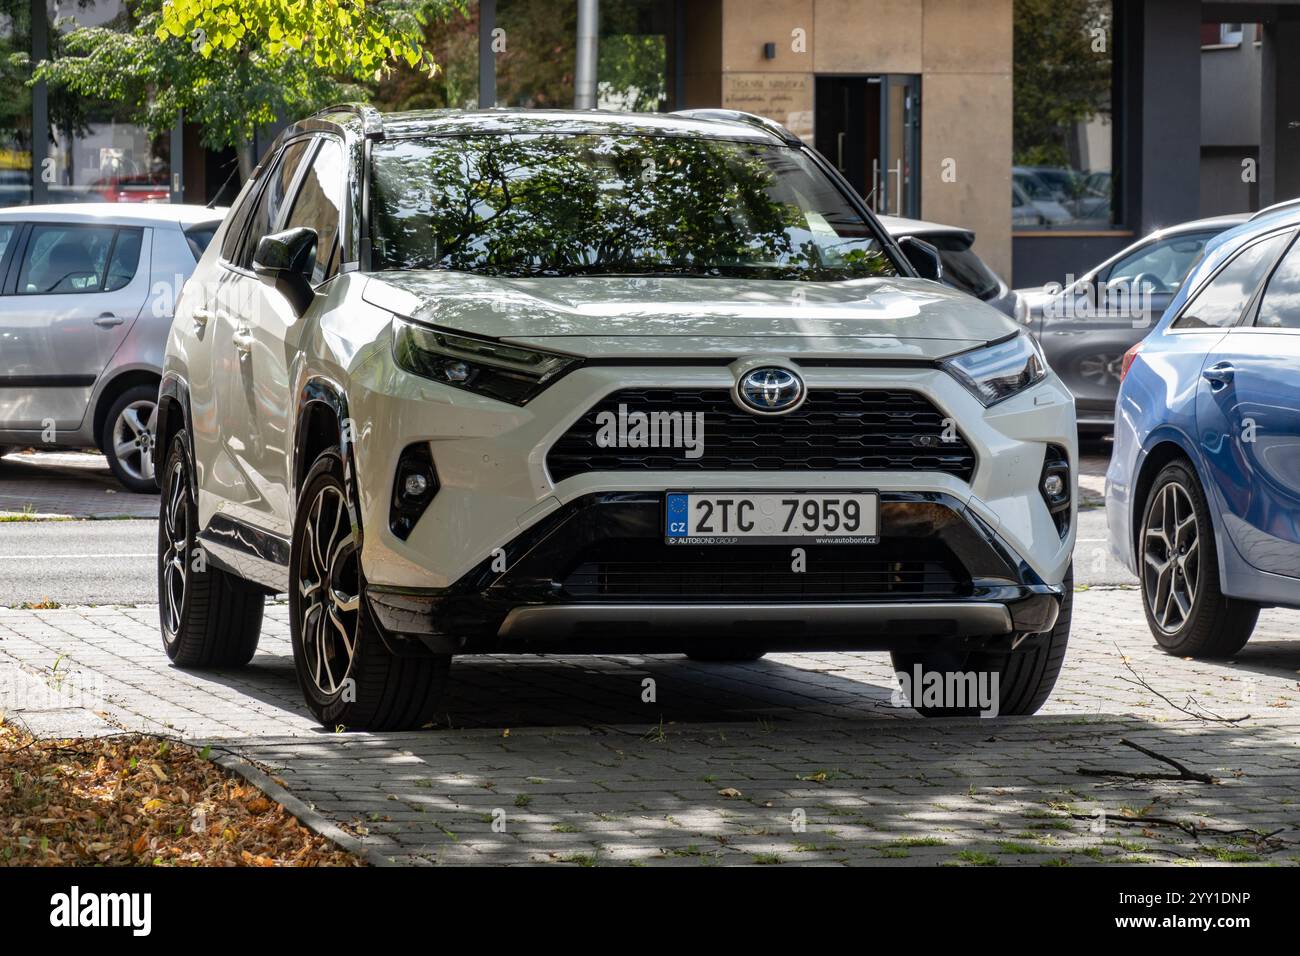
[247, 552]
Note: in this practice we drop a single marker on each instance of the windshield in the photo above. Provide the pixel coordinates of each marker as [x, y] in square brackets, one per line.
[555, 204]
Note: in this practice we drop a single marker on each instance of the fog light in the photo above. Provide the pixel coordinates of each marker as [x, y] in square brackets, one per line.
[415, 485]
[1056, 485]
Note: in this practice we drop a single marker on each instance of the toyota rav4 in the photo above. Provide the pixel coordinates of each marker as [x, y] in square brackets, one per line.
[513, 381]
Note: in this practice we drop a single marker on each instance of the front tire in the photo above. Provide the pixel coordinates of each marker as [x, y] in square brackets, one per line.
[1025, 676]
[128, 435]
[348, 676]
[209, 618]
[1178, 563]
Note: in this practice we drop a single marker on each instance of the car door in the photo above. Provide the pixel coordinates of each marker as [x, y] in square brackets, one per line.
[72, 293]
[1248, 414]
[246, 425]
[267, 345]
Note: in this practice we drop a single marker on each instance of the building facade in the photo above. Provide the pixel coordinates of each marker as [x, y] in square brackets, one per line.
[1058, 130]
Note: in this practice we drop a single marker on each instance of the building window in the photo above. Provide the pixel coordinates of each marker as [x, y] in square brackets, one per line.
[536, 66]
[94, 155]
[1064, 139]
[16, 111]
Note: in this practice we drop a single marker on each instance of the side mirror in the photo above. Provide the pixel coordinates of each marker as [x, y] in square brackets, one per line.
[285, 260]
[924, 258]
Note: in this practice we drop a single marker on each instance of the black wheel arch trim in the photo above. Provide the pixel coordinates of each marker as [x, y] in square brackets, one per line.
[173, 389]
[318, 391]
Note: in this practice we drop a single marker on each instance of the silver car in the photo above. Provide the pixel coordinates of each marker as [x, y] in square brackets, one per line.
[86, 301]
[1085, 325]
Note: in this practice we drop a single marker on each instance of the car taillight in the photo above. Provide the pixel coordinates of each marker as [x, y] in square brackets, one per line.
[1129, 356]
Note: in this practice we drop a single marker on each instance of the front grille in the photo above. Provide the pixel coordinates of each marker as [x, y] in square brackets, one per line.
[640, 571]
[834, 430]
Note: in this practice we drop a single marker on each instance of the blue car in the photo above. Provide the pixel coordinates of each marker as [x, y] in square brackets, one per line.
[1203, 489]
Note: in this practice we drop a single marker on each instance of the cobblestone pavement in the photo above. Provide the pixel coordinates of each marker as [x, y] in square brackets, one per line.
[65, 485]
[799, 758]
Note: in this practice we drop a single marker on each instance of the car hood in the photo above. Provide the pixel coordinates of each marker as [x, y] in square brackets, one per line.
[887, 318]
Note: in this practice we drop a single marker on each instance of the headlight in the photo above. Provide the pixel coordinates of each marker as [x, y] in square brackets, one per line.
[1000, 371]
[506, 372]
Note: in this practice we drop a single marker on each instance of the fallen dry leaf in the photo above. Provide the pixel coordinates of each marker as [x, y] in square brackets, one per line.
[132, 800]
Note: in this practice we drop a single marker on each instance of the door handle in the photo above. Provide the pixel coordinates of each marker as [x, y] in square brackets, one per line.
[107, 320]
[1218, 375]
[201, 317]
[243, 339]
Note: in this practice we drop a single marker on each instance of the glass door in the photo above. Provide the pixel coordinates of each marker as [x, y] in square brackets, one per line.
[869, 128]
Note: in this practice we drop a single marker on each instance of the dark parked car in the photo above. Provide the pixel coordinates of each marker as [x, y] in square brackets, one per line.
[962, 267]
[1086, 327]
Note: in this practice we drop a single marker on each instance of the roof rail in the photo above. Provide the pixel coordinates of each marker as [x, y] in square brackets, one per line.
[1276, 207]
[749, 119]
[372, 121]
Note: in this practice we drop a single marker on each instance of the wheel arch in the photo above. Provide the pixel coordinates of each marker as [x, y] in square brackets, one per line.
[112, 390]
[320, 422]
[173, 415]
[1163, 447]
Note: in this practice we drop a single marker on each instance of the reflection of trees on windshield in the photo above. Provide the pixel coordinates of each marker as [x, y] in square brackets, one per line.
[553, 204]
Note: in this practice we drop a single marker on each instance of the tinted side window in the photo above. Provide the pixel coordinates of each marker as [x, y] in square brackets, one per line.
[319, 203]
[63, 259]
[1280, 306]
[1219, 303]
[198, 237]
[238, 215]
[7, 231]
[266, 213]
[124, 260]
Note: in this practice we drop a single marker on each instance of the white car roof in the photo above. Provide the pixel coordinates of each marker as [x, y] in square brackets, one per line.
[116, 213]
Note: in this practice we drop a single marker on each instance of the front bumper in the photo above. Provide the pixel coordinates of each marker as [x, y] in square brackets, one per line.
[596, 571]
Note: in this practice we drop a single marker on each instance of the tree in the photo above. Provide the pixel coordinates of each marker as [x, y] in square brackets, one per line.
[1062, 77]
[234, 65]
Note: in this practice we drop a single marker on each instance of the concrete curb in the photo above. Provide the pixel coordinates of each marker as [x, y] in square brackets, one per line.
[309, 817]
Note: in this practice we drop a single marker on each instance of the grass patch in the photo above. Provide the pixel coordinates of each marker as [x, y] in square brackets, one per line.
[917, 841]
[1225, 855]
[1018, 849]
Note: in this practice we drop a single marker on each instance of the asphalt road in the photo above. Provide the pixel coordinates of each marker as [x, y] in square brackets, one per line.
[112, 562]
[78, 562]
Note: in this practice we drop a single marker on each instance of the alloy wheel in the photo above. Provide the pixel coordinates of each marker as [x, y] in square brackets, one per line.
[176, 528]
[1101, 369]
[133, 439]
[1171, 557]
[329, 591]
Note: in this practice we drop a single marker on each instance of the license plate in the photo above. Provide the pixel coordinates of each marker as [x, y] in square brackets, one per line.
[780, 518]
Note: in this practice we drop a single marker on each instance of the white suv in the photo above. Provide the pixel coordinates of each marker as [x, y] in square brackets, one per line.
[516, 381]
